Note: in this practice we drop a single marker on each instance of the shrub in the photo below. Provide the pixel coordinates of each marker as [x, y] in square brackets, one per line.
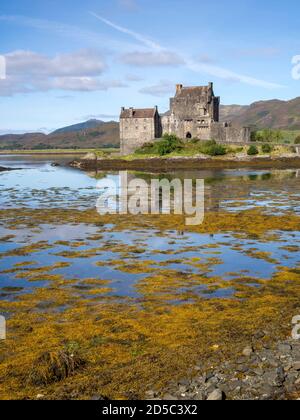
[267, 148]
[217, 150]
[252, 151]
[297, 140]
[169, 144]
[211, 148]
[146, 149]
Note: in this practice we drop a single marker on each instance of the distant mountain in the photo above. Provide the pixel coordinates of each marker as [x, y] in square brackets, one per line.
[87, 135]
[79, 127]
[275, 114]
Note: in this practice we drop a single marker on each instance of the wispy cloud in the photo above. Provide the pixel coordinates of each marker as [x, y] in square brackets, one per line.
[64, 30]
[163, 88]
[212, 70]
[230, 76]
[138, 37]
[99, 117]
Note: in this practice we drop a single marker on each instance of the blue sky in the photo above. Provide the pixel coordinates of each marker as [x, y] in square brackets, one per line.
[68, 61]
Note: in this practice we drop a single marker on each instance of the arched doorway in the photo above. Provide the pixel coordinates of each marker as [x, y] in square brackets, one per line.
[188, 135]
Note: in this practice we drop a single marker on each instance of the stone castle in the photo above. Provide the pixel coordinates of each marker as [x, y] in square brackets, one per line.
[194, 113]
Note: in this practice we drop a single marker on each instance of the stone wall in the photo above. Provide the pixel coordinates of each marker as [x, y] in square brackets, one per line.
[135, 132]
[229, 134]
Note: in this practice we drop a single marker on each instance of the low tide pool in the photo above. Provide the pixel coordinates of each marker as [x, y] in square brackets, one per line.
[131, 289]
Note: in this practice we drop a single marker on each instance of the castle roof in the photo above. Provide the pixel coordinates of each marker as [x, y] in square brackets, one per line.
[138, 113]
[193, 90]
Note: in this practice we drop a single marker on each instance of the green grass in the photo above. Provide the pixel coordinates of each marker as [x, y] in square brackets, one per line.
[289, 136]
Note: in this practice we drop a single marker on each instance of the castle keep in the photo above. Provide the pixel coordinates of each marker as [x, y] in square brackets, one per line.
[194, 113]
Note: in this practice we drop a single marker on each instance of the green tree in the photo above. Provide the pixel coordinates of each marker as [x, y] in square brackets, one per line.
[252, 151]
[267, 148]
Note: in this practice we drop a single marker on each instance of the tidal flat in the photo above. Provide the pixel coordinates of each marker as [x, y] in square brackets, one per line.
[116, 305]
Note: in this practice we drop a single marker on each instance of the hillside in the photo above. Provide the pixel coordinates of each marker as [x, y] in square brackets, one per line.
[97, 136]
[79, 127]
[273, 114]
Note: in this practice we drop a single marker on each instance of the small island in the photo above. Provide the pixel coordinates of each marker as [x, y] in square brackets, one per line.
[191, 136]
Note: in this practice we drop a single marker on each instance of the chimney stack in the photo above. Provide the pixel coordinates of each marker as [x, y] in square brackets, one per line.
[179, 88]
[131, 112]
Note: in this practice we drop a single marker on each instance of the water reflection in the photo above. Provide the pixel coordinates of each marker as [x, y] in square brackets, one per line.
[125, 257]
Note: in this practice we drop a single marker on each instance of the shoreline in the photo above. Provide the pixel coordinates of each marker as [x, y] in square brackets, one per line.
[171, 164]
[262, 372]
[32, 153]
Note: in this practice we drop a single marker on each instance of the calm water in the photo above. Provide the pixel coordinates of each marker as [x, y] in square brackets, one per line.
[100, 251]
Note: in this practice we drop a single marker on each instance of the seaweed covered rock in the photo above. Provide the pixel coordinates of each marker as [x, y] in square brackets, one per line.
[54, 367]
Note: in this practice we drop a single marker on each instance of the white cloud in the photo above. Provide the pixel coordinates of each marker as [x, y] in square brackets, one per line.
[29, 72]
[164, 88]
[81, 63]
[191, 64]
[152, 59]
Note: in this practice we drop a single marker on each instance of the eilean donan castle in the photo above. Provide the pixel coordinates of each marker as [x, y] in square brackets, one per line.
[194, 113]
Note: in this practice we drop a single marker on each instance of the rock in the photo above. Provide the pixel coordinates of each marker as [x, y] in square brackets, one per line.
[259, 335]
[296, 366]
[2, 169]
[149, 395]
[242, 369]
[55, 165]
[216, 395]
[248, 351]
[284, 348]
[99, 398]
[199, 396]
[169, 397]
[273, 377]
[266, 391]
[40, 396]
[208, 376]
[90, 156]
[183, 389]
